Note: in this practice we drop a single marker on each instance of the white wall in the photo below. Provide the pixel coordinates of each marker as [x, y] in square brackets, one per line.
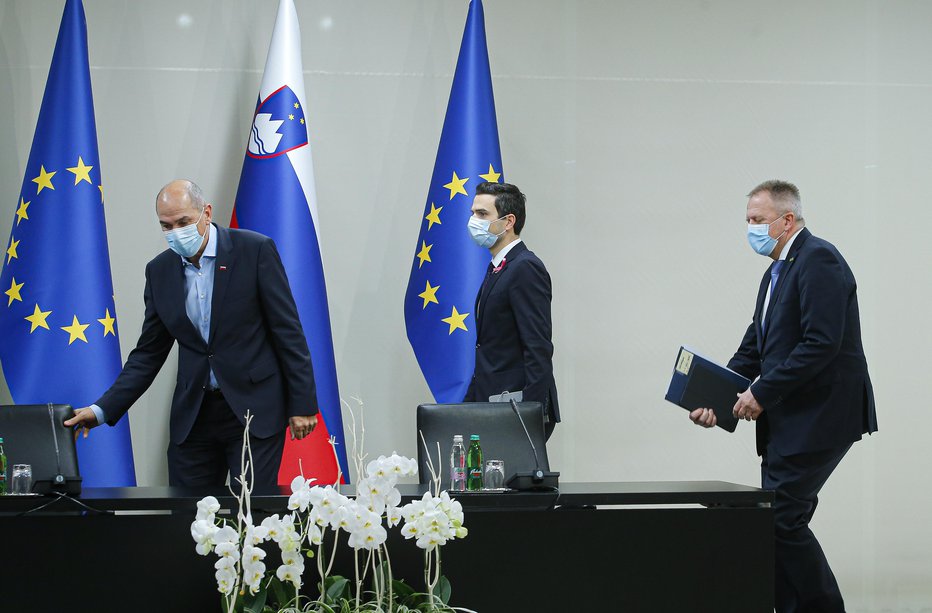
[635, 128]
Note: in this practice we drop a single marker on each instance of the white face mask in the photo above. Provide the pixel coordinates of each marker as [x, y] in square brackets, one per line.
[187, 240]
[479, 231]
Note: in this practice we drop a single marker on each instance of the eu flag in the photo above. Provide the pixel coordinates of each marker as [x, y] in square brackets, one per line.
[277, 197]
[448, 267]
[59, 326]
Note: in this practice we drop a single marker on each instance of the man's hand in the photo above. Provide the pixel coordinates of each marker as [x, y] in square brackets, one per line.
[84, 419]
[747, 406]
[703, 417]
[302, 425]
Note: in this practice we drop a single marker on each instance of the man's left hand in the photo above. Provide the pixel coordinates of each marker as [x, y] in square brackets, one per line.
[747, 406]
[302, 425]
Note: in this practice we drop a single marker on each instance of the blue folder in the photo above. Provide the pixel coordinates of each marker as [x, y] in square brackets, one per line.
[698, 382]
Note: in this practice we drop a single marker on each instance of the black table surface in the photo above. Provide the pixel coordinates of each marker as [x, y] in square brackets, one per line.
[707, 493]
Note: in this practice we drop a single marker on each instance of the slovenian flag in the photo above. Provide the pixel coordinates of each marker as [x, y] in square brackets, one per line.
[276, 197]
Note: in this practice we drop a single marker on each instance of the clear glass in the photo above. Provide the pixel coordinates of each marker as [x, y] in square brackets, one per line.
[494, 475]
[22, 480]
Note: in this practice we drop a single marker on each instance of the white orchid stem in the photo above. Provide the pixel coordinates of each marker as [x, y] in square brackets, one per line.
[333, 554]
[358, 580]
[388, 565]
[434, 476]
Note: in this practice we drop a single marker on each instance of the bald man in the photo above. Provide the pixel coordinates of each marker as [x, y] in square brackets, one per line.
[222, 294]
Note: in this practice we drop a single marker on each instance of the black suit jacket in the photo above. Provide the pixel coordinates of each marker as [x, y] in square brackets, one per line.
[513, 333]
[814, 385]
[256, 346]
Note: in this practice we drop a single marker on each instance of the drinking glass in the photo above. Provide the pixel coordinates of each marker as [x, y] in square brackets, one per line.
[494, 478]
[22, 480]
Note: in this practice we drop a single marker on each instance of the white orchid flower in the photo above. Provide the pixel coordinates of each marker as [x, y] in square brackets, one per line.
[207, 507]
[226, 580]
[288, 573]
[203, 532]
[273, 527]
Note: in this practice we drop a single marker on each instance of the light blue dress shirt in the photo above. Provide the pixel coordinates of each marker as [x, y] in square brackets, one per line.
[198, 293]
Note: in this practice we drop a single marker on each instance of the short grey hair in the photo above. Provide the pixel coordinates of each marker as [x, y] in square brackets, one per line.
[191, 189]
[785, 196]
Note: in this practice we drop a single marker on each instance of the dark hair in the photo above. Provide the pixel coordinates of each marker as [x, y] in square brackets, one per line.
[508, 201]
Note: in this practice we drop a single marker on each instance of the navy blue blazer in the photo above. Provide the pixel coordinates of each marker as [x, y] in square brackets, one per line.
[514, 350]
[814, 385]
[256, 345]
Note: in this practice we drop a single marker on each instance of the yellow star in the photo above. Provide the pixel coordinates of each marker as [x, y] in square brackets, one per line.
[424, 254]
[11, 252]
[76, 330]
[456, 186]
[491, 176]
[21, 211]
[44, 179]
[302, 121]
[434, 216]
[429, 295]
[101, 188]
[456, 320]
[291, 116]
[81, 172]
[107, 322]
[13, 292]
[37, 319]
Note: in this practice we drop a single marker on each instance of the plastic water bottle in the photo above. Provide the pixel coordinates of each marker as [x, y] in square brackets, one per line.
[458, 464]
[3, 483]
[474, 464]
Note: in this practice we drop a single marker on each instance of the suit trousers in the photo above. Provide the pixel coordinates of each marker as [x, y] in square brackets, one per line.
[803, 581]
[214, 448]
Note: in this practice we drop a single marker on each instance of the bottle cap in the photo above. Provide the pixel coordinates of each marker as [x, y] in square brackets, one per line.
[458, 437]
[474, 437]
[1, 439]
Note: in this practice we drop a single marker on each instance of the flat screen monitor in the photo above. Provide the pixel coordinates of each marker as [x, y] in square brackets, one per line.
[34, 434]
[500, 434]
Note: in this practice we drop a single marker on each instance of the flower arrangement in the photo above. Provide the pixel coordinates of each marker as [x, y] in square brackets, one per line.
[317, 516]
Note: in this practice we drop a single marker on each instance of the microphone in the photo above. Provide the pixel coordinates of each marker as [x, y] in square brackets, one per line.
[537, 478]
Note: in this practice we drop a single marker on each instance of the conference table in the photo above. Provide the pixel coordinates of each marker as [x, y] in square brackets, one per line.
[694, 546]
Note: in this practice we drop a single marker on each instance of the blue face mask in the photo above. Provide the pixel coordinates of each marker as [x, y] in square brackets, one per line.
[187, 240]
[479, 231]
[760, 239]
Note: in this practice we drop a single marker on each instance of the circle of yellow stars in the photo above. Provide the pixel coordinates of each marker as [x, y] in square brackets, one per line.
[39, 317]
[456, 186]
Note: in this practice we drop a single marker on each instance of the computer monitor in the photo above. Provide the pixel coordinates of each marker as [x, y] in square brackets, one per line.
[500, 434]
[34, 434]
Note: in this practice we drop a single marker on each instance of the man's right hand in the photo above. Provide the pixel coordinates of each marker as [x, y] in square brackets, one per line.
[703, 417]
[84, 419]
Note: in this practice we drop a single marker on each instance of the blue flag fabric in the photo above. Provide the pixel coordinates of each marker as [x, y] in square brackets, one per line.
[448, 267]
[58, 325]
[277, 197]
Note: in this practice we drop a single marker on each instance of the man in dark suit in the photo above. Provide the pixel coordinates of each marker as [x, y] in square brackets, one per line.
[223, 295]
[514, 352]
[812, 398]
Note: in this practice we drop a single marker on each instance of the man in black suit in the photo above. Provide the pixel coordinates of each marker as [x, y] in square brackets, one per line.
[514, 352]
[223, 295]
[812, 398]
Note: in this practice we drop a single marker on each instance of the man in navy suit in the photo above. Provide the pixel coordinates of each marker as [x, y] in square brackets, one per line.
[514, 352]
[223, 295]
[812, 398]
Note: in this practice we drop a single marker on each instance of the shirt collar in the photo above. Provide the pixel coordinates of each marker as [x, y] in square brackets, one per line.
[497, 260]
[786, 247]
